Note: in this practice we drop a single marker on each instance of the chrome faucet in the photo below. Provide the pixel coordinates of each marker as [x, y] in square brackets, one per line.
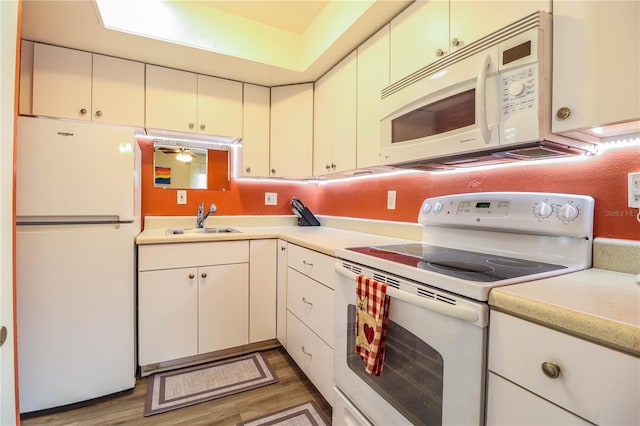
[202, 216]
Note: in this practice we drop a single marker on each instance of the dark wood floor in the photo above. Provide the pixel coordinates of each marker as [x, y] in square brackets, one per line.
[128, 407]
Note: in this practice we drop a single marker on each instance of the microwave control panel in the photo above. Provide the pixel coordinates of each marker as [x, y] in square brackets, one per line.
[519, 91]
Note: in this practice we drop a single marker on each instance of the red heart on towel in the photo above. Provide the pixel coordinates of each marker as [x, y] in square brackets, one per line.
[368, 333]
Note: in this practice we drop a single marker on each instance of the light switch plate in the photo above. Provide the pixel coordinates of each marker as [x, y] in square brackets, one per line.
[391, 200]
[182, 196]
[270, 198]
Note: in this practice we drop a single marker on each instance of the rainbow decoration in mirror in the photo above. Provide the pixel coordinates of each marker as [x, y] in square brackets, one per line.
[162, 175]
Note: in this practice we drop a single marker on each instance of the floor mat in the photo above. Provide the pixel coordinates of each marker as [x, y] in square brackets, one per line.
[170, 390]
[299, 415]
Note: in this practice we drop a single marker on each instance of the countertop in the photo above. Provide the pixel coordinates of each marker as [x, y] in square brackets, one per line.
[595, 304]
[319, 238]
[599, 305]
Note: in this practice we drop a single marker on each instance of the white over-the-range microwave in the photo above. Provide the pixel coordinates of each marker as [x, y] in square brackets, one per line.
[488, 102]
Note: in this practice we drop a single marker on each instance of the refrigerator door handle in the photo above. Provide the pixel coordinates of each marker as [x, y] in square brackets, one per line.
[70, 220]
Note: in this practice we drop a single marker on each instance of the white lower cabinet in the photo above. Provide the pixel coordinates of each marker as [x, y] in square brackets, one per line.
[538, 375]
[192, 299]
[312, 354]
[223, 311]
[262, 290]
[509, 404]
[309, 315]
[281, 293]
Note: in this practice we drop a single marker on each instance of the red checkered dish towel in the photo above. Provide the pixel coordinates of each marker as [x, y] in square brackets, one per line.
[372, 317]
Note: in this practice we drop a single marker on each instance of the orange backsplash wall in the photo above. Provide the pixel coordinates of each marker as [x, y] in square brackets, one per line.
[604, 177]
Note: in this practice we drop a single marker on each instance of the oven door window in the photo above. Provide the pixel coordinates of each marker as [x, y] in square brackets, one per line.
[411, 380]
[454, 112]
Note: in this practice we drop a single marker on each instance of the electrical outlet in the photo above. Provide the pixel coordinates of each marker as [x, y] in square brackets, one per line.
[391, 200]
[182, 196]
[634, 190]
[270, 198]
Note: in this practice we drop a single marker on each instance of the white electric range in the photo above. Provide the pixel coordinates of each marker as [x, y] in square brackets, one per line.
[435, 358]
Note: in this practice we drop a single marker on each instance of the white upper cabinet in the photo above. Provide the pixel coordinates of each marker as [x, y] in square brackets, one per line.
[255, 131]
[373, 76]
[188, 102]
[172, 99]
[291, 130]
[596, 64]
[471, 20]
[219, 106]
[334, 142]
[429, 29]
[417, 36]
[80, 85]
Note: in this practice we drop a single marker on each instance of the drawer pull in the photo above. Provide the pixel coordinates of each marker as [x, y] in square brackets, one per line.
[304, 299]
[307, 263]
[305, 352]
[192, 276]
[204, 275]
[550, 370]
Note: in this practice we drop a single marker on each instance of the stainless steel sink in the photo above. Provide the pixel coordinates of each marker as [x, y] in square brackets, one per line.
[187, 231]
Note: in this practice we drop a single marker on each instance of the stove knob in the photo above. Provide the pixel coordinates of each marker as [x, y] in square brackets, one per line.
[426, 208]
[542, 210]
[568, 212]
[437, 207]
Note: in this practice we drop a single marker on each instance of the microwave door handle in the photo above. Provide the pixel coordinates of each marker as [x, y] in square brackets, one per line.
[481, 101]
[459, 312]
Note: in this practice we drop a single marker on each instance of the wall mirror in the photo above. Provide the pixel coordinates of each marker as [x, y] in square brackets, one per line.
[179, 166]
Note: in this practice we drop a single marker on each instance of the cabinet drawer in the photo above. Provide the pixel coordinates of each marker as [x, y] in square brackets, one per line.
[312, 303]
[312, 355]
[165, 256]
[595, 382]
[313, 264]
[508, 404]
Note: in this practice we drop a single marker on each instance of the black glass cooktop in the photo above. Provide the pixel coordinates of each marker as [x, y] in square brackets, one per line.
[462, 264]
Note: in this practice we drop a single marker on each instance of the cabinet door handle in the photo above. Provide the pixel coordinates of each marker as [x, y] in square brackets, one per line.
[305, 352]
[563, 113]
[307, 263]
[273, 171]
[550, 370]
[456, 42]
[191, 276]
[83, 111]
[439, 53]
[3, 334]
[191, 125]
[204, 275]
[202, 127]
[283, 248]
[248, 169]
[304, 299]
[98, 113]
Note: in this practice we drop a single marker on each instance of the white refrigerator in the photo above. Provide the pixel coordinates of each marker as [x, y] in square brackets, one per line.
[77, 215]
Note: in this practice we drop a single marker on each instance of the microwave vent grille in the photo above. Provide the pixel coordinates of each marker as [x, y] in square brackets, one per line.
[535, 20]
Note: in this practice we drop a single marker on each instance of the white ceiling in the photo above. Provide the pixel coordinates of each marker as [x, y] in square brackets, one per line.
[267, 42]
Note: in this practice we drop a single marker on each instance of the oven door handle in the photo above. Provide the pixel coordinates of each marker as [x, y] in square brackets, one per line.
[459, 312]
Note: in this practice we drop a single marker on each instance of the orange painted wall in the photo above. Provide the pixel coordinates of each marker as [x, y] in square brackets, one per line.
[604, 177]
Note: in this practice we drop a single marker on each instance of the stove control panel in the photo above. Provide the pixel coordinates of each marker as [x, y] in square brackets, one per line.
[528, 212]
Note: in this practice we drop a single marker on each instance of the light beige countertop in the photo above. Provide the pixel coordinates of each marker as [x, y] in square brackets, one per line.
[598, 305]
[323, 239]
